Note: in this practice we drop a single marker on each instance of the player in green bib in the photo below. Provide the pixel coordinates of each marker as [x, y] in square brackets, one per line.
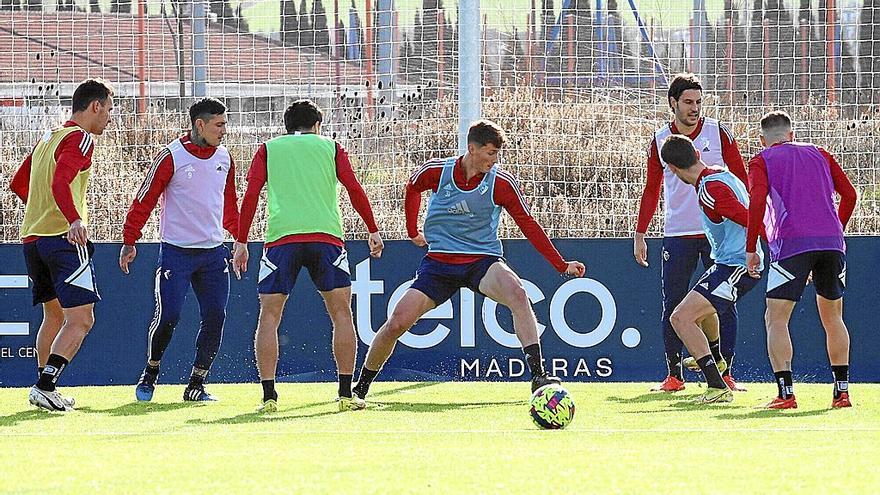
[301, 171]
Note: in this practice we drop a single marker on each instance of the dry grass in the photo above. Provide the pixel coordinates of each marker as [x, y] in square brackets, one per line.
[580, 159]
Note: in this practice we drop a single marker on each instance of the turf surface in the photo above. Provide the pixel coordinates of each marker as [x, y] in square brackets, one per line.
[439, 437]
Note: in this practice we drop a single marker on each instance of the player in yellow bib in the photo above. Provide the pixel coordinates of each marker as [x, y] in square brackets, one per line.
[52, 182]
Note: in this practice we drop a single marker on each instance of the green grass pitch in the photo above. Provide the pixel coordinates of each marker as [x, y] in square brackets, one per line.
[439, 438]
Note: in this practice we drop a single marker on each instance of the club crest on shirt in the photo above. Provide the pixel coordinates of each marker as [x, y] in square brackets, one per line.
[483, 189]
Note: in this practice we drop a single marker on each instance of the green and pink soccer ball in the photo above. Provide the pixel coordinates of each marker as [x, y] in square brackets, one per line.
[551, 407]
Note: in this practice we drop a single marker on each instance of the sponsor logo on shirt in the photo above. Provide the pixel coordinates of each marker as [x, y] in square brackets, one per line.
[460, 208]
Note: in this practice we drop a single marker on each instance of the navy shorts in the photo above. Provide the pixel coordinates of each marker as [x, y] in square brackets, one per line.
[327, 265]
[723, 285]
[61, 270]
[787, 277]
[440, 281]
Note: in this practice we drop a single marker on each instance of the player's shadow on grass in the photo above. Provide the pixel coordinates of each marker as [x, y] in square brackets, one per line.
[140, 408]
[405, 388]
[648, 397]
[685, 404]
[257, 417]
[29, 415]
[427, 406]
[436, 407]
[688, 404]
[731, 410]
[772, 414]
[283, 414]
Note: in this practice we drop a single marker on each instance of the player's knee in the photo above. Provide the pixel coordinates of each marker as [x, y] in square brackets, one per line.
[675, 319]
[271, 312]
[214, 319]
[53, 312]
[88, 320]
[397, 326]
[776, 327]
[834, 324]
[168, 321]
[774, 321]
[518, 299]
[209, 338]
[678, 318]
[53, 320]
[80, 323]
[341, 317]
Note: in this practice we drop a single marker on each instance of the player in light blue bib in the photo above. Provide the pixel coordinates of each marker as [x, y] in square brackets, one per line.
[464, 251]
[723, 201]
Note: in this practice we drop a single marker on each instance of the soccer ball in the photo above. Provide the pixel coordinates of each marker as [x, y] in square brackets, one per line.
[551, 407]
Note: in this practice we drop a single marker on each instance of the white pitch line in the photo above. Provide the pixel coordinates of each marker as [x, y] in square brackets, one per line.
[443, 432]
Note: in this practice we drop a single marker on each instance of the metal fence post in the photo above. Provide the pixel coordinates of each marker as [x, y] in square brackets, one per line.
[469, 70]
[200, 65]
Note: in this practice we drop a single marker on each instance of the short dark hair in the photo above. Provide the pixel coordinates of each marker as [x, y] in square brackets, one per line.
[206, 109]
[681, 83]
[94, 89]
[775, 121]
[679, 152]
[302, 114]
[484, 132]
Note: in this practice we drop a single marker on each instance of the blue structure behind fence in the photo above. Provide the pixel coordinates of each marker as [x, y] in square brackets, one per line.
[604, 327]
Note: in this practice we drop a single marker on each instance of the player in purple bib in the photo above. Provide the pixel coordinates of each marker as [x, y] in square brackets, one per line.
[805, 235]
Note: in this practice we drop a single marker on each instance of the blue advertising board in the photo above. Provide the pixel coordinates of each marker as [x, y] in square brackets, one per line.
[603, 327]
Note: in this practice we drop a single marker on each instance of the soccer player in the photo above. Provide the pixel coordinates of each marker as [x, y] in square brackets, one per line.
[302, 170]
[684, 242]
[194, 179]
[805, 235]
[52, 182]
[723, 201]
[461, 232]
